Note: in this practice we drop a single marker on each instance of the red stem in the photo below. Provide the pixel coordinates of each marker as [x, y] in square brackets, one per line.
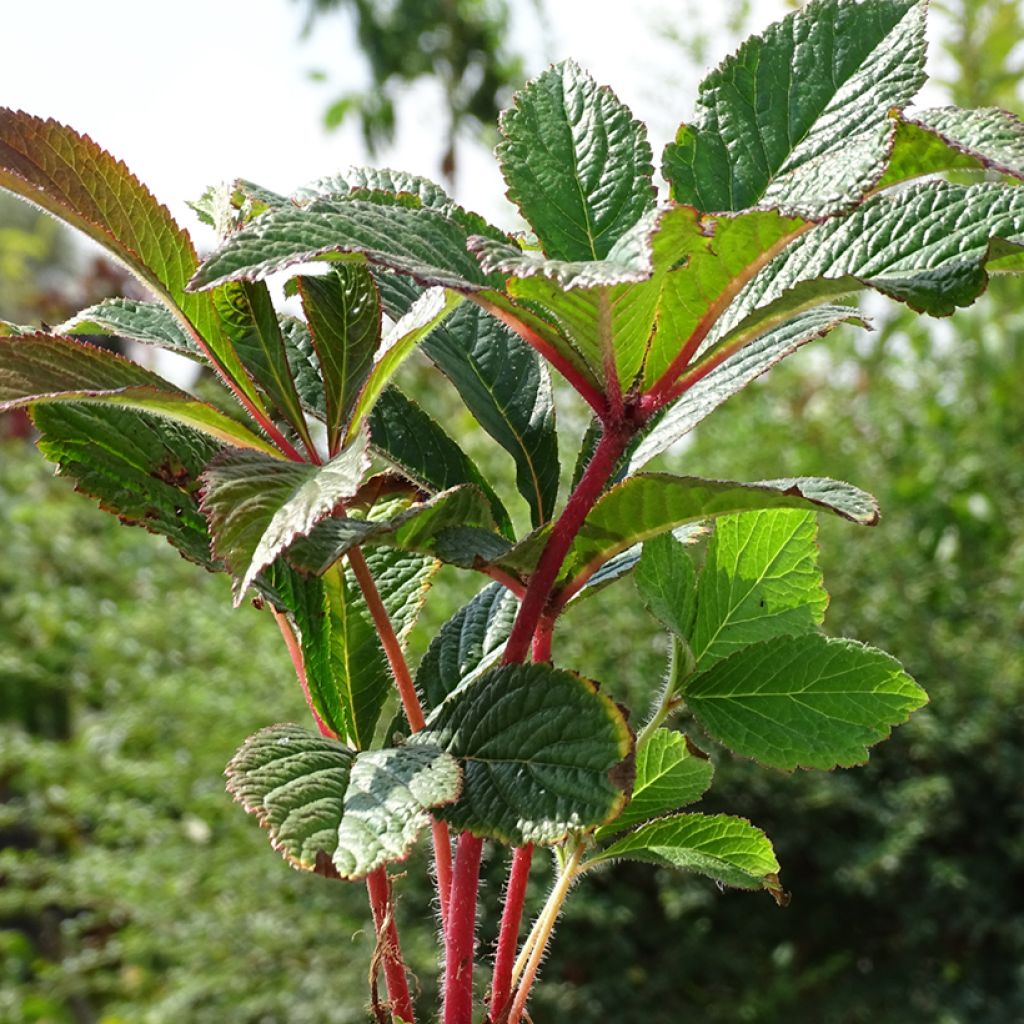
[612, 444]
[590, 394]
[460, 936]
[508, 936]
[300, 670]
[378, 885]
[413, 710]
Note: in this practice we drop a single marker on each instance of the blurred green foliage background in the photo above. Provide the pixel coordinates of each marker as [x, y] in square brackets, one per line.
[132, 890]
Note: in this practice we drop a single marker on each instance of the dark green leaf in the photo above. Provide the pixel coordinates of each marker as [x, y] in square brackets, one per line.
[651, 503]
[474, 635]
[333, 811]
[344, 316]
[143, 468]
[420, 242]
[542, 752]
[803, 701]
[149, 323]
[38, 368]
[403, 434]
[577, 164]
[790, 100]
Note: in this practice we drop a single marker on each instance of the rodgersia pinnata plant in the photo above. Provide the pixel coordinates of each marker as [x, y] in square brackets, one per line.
[330, 497]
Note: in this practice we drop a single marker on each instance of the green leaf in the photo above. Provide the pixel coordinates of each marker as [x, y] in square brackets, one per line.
[760, 580]
[344, 316]
[607, 308]
[333, 811]
[375, 179]
[669, 775]
[721, 255]
[421, 242]
[257, 506]
[142, 468]
[346, 670]
[434, 306]
[651, 503]
[926, 245]
[304, 364]
[505, 386]
[729, 850]
[149, 323]
[469, 640]
[455, 526]
[791, 100]
[249, 319]
[37, 368]
[542, 752]
[770, 344]
[404, 435]
[70, 176]
[950, 139]
[803, 701]
[577, 164]
[667, 581]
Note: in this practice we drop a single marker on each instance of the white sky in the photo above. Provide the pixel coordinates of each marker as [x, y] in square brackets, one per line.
[193, 92]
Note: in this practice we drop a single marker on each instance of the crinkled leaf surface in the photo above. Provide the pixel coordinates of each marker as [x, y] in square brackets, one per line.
[333, 811]
[257, 506]
[760, 579]
[803, 701]
[416, 445]
[421, 242]
[542, 752]
[948, 139]
[38, 368]
[792, 98]
[143, 468]
[474, 635]
[669, 775]
[926, 245]
[577, 164]
[149, 323]
[729, 850]
[455, 526]
[754, 356]
[344, 315]
[647, 504]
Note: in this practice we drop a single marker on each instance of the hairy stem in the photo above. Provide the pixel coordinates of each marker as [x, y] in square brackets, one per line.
[410, 704]
[389, 952]
[508, 935]
[460, 935]
[681, 666]
[549, 915]
[612, 444]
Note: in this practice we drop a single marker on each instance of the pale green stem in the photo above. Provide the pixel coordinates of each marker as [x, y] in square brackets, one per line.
[681, 666]
[541, 933]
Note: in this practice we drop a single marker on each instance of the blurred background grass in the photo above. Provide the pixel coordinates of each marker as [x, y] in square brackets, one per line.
[132, 890]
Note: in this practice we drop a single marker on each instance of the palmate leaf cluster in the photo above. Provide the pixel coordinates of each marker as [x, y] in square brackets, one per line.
[655, 309]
